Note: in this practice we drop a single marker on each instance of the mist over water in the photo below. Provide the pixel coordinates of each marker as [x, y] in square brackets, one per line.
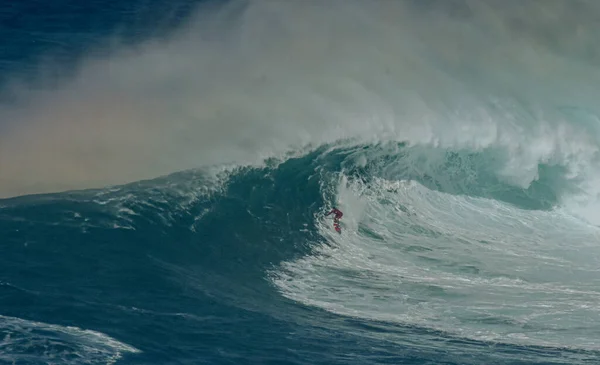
[245, 80]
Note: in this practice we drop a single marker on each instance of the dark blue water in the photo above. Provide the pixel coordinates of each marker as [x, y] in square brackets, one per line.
[63, 31]
[175, 270]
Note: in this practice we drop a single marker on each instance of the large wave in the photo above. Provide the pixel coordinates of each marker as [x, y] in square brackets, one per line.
[460, 138]
[458, 261]
[442, 245]
[244, 81]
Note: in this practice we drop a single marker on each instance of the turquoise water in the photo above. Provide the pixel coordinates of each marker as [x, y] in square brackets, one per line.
[165, 170]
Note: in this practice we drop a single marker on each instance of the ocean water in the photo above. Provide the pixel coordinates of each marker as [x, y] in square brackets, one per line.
[166, 168]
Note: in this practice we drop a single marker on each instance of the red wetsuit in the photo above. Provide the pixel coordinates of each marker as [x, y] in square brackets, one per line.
[338, 213]
[336, 219]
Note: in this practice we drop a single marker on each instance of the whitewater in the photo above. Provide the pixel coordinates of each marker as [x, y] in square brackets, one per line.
[163, 194]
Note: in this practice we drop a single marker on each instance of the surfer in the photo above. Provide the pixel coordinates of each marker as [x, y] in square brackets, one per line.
[338, 214]
[336, 219]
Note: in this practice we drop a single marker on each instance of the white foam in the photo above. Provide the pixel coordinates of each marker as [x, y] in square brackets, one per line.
[472, 267]
[51, 343]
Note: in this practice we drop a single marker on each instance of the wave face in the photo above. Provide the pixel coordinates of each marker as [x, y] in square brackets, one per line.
[241, 264]
[164, 194]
